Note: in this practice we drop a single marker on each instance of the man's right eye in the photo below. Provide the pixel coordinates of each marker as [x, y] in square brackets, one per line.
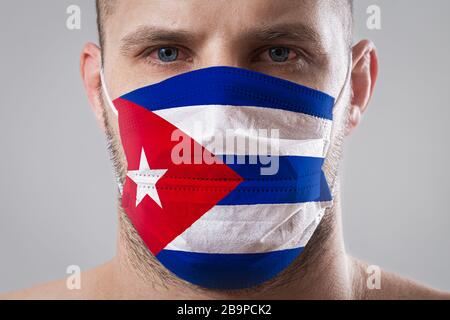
[167, 54]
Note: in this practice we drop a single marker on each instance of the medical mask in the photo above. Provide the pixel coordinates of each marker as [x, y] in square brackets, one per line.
[225, 183]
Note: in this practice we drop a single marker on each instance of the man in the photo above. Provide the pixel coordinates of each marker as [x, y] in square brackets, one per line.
[304, 41]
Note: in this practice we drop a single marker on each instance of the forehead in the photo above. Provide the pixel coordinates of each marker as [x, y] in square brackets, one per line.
[228, 18]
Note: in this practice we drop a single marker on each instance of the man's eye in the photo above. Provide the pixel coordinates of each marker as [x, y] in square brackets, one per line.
[167, 54]
[163, 54]
[279, 54]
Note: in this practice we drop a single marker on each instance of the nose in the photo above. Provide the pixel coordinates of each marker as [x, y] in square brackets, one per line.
[221, 52]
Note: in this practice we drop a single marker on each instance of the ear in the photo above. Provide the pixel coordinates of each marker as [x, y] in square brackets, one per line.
[90, 65]
[364, 76]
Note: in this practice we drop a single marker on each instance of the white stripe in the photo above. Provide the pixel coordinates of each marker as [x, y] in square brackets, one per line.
[299, 134]
[251, 228]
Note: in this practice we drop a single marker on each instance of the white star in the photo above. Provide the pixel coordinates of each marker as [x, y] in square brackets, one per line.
[146, 180]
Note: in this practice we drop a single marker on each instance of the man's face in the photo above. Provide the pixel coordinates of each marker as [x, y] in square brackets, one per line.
[304, 41]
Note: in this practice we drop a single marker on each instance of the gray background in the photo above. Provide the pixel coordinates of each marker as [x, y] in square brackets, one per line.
[57, 187]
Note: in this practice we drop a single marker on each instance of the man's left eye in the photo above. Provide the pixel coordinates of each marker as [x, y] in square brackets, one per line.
[279, 54]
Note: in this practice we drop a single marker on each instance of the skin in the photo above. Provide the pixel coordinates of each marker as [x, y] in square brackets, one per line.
[223, 33]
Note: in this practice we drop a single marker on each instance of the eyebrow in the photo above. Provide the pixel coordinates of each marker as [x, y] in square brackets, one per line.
[149, 34]
[298, 32]
[295, 32]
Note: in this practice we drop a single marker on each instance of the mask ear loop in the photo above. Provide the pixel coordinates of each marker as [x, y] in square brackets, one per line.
[114, 110]
[106, 94]
[341, 93]
[347, 78]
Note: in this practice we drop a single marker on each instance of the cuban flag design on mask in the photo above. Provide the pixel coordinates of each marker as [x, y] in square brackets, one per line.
[225, 217]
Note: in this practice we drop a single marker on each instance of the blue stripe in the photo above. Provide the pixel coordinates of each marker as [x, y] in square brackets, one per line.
[232, 86]
[298, 179]
[227, 271]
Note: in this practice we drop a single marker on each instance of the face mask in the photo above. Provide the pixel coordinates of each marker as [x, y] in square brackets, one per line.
[225, 183]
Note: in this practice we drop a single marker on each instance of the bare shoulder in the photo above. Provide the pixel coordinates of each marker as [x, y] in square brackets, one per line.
[394, 287]
[48, 291]
[92, 287]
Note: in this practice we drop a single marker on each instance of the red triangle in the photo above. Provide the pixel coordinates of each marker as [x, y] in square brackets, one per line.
[187, 191]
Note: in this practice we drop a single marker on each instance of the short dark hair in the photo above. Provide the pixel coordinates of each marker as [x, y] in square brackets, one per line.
[106, 7]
